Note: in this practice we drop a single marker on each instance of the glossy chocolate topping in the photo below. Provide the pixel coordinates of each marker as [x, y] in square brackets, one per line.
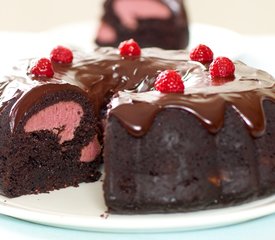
[104, 72]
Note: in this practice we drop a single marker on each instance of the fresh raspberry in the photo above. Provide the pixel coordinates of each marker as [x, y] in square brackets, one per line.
[169, 81]
[202, 54]
[129, 48]
[222, 67]
[43, 68]
[61, 55]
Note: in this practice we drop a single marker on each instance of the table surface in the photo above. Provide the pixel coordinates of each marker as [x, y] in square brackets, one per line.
[257, 51]
[254, 230]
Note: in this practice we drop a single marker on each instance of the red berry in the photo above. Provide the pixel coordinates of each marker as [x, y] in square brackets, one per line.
[202, 54]
[61, 55]
[222, 67]
[43, 68]
[169, 81]
[129, 48]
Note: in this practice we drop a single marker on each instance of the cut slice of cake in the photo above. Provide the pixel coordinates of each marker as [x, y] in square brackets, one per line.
[50, 136]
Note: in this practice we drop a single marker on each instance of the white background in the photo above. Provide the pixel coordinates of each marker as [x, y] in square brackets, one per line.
[244, 16]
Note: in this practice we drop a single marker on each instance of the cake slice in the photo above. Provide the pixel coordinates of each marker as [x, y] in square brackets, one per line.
[50, 136]
[152, 23]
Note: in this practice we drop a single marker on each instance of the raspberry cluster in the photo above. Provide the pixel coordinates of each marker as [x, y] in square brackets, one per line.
[44, 68]
[220, 67]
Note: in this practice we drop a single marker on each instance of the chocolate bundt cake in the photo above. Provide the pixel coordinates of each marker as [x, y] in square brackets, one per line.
[210, 144]
[152, 23]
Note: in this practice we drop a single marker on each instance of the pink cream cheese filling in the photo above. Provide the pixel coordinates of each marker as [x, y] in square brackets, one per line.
[130, 12]
[91, 151]
[106, 33]
[62, 119]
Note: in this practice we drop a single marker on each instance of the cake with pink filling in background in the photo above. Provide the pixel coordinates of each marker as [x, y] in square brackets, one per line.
[152, 23]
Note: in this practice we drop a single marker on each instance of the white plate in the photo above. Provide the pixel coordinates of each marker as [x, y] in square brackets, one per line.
[83, 208]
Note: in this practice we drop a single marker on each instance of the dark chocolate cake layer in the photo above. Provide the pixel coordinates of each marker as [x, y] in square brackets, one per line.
[152, 23]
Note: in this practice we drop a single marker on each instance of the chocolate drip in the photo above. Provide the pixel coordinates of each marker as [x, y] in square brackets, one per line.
[208, 109]
[104, 73]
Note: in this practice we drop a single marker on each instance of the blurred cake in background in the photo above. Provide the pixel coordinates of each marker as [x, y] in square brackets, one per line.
[152, 23]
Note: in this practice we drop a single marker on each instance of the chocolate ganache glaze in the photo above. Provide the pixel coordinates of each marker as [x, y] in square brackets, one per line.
[103, 73]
